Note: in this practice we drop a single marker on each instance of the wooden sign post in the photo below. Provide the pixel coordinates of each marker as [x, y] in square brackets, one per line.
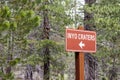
[79, 63]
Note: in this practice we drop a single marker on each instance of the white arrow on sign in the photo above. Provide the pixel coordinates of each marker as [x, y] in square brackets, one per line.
[81, 44]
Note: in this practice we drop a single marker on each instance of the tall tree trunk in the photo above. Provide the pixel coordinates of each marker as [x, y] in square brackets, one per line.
[10, 52]
[112, 75]
[46, 30]
[90, 61]
[29, 73]
[29, 68]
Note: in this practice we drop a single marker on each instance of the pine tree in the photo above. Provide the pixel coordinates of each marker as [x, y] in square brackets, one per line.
[106, 21]
[53, 24]
[16, 20]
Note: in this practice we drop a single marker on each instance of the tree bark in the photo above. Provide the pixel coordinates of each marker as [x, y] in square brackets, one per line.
[46, 30]
[90, 61]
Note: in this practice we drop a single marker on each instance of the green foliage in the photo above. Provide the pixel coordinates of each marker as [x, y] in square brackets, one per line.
[48, 43]
[9, 76]
[5, 12]
[14, 62]
[106, 21]
[33, 60]
[57, 15]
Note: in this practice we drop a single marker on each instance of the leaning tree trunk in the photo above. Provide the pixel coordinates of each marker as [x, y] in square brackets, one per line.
[90, 61]
[46, 30]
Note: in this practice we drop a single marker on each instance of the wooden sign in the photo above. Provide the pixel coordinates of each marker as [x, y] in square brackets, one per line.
[80, 40]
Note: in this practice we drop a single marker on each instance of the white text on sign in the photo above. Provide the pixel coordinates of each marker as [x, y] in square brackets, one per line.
[81, 36]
